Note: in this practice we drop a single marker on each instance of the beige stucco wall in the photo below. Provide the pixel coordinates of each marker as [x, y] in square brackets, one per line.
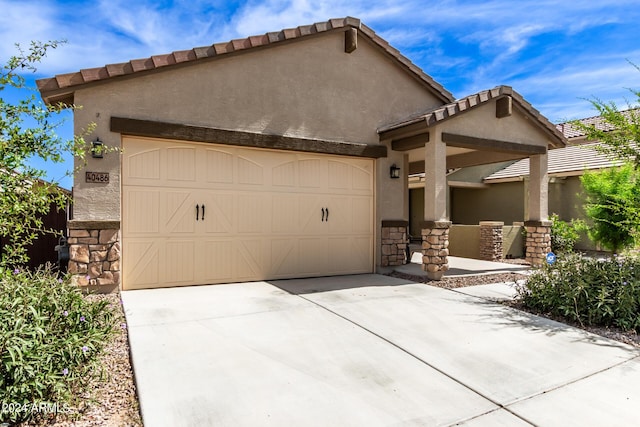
[499, 202]
[309, 88]
[464, 241]
[482, 123]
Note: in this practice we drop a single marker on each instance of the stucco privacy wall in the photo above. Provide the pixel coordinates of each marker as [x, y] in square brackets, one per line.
[310, 89]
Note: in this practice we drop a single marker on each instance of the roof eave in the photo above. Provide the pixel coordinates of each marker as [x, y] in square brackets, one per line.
[61, 88]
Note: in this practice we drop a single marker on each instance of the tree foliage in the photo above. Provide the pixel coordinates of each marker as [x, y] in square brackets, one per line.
[613, 195]
[28, 131]
[612, 202]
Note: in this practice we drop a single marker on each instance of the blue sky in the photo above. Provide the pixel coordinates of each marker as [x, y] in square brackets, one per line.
[555, 53]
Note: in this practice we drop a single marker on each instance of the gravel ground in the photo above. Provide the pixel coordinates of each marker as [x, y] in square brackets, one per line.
[112, 402]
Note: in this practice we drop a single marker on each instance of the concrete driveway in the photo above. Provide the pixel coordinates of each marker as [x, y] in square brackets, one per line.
[367, 350]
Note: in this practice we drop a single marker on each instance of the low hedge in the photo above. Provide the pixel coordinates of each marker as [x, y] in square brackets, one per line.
[599, 292]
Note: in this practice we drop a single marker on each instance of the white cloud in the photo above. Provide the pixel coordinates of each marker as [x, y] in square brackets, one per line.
[466, 45]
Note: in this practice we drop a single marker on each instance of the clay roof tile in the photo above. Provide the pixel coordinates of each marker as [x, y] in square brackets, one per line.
[139, 65]
[143, 64]
[163, 60]
[91, 74]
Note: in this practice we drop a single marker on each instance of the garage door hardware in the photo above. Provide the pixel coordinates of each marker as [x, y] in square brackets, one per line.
[325, 214]
[198, 212]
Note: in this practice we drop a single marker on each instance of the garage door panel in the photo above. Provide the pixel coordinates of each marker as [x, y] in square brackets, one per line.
[253, 213]
[284, 258]
[313, 256]
[285, 214]
[339, 175]
[339, 254]
[263, 214]
[361, 254]
[311, 173]
[311, 215]
[219, 166]
[219, 212]
[143, 210]
[284, 175]
[141, 266]
[249, 259]
[362, 177]
[179, 208]
[250, 172]
[144, 165]
[215, 261]
[180, 164]
[179, 261]
[361, 215]
[339, 217]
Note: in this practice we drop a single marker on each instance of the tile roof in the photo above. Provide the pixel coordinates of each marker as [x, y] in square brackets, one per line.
[574, 158]
[457, 107]
[572, 131]
[61, 87]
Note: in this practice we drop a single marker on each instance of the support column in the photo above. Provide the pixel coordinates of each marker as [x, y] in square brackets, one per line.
[538, 240]
[491, 240]
[435, 230]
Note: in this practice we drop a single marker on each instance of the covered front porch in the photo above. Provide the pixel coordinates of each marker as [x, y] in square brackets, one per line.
[488, 127]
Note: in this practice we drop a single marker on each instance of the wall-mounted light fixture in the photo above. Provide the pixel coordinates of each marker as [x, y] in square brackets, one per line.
[394, 171]
[97, 148]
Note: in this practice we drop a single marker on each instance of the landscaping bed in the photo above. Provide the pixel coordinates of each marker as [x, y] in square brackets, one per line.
[112, 402]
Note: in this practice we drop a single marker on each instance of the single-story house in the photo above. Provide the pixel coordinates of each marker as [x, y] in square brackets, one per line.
[279, 155]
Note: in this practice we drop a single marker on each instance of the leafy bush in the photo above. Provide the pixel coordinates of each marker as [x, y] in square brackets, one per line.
[613, 196]
[588, 291]
[564, 235]
[50, 339]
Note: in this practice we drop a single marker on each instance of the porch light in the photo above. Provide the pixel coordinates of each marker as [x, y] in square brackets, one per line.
[394, 171]
[97, 148]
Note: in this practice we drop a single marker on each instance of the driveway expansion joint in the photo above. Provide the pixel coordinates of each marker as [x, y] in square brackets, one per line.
[446, 374]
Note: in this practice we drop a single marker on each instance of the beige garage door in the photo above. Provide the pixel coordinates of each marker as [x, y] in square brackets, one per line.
[202, 213]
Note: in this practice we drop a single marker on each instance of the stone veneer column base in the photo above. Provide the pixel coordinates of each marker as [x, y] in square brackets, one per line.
[491, 240]
[435, 248]
[394, 242]
[94, 254]
[538, 241]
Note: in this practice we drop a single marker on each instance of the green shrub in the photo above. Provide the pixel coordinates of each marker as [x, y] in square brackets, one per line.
[613, 197]
[50, 339]
[564, 235]
[588, 291]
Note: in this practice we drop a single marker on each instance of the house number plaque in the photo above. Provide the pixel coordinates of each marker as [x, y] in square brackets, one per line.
[97, 177]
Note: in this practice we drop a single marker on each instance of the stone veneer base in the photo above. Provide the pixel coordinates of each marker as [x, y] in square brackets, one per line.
[435, 248]
[94, 254]
[394, 242]
[538, 241]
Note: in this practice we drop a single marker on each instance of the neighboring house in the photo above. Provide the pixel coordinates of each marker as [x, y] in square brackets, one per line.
[498, 192]
[42, 250]
[276, 156]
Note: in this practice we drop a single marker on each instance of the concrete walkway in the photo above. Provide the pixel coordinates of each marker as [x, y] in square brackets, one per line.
[459, 266]
[367, 350]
